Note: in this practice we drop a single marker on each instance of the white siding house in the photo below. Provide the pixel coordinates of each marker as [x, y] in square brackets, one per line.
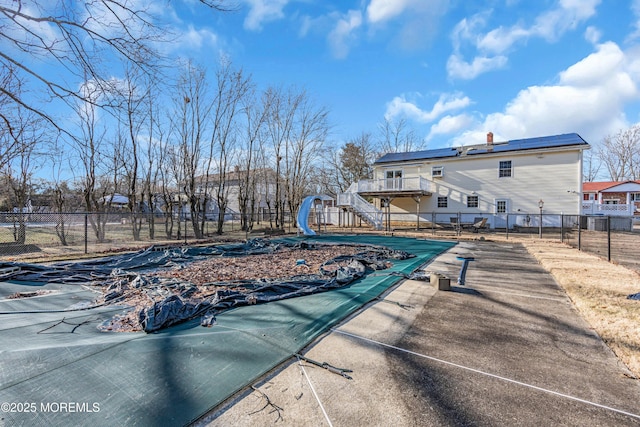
[492, 179]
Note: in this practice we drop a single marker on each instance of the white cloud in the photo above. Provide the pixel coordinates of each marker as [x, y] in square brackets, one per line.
[493, 45]
[592, 35]
[468, 29]
[635, 8]
[342, 36]
[384, 10]
[450, 125]
[263, 11]
[595, 68]
[457, 68]
[589, 99]
[552, 24]
[195, 39]
[401, 107]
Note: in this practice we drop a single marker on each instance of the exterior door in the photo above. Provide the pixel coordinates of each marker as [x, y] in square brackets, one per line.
[393, 180]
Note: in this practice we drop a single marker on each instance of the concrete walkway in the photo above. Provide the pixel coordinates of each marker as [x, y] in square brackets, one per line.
[508, 349]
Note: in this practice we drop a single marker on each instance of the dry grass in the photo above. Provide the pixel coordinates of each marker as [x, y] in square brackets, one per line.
[599, 291]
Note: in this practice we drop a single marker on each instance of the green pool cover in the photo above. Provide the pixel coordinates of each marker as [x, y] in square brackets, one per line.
[58, 369]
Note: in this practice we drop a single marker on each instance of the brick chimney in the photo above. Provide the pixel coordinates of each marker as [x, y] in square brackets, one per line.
[490, 138]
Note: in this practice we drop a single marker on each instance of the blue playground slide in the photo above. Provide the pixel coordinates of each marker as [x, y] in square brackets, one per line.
[303, 215]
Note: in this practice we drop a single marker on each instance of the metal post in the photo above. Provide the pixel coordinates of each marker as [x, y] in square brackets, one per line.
[507, 229]
[540, 205]
[463, 270]
[579, 232]
[433, 223]
[86, 233]
[561, 228]
[608, 238]
[540, 225]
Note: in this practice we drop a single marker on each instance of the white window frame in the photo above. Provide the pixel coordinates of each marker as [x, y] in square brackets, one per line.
[444, 199]
[506, 206]
[437, 171]
[500, 169]
[477, 201]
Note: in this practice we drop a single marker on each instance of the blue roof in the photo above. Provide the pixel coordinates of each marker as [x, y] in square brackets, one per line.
[565, 140]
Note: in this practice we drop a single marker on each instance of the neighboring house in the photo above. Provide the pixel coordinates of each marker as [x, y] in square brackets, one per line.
[619, 198]
[490, 180]
[265, 187]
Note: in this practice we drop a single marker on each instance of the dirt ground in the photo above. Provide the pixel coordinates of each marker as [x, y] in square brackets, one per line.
[599, 291]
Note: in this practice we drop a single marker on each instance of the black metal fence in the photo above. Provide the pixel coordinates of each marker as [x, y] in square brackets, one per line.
[614, 238]
[78, 233]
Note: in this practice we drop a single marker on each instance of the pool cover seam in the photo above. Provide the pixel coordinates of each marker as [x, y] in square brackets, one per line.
[477, 371]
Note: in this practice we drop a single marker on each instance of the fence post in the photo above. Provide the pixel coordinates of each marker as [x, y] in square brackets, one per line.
[507, 229]
[561, 228]
[433, 223]
[609, 238]
[86, 233]
[579, 232]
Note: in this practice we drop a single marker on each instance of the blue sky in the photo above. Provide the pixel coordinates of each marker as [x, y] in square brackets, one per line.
[453, 69]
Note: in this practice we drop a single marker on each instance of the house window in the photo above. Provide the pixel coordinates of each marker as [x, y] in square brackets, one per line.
[393, 180]
[437, 171]
[501, 206]
[504, 170]
[635, 197]
[472, 201]
[442, 202]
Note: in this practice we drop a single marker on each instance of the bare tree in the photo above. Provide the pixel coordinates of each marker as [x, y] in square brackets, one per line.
[190, 121]
[232, 86]
[59, 189]
[620, 154]
[396, 136]
[303, 148]
[591, 166]
[83, 38]
[255, 115]
[153, 167]
[279, 126]
[9, 139]
[27, 133]
[134, 93]
[99, 162]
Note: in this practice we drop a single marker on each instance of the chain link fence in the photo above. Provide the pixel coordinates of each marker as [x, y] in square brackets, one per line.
[31, 234]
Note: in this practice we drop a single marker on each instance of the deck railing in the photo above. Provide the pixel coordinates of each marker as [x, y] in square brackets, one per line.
[593, 208]
[416, 183]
